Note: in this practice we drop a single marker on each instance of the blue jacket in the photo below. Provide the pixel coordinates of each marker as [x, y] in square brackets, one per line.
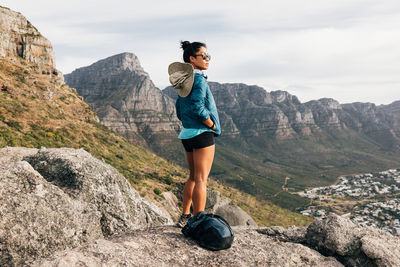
[198, 106]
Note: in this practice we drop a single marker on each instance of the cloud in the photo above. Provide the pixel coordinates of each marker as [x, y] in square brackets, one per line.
[343, 49]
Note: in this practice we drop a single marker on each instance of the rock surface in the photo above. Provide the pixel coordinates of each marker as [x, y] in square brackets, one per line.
[166, 246]
[62, 207]
[19, 38]
[223, 207]
[353, 245]
[38, 218]
[348, 242]
[290, 234]
[53, 199]
[90, 180]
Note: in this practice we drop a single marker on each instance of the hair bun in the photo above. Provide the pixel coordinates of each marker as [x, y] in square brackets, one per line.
[185, 44]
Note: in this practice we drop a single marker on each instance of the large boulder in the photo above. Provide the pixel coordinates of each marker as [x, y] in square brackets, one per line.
[37, 218]
[54, 199]
[353, 245]
[166, 246]
[223, 207]
[90, 180]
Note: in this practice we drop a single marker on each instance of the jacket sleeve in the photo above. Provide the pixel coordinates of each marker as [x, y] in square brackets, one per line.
[178, 109]
[198, 96]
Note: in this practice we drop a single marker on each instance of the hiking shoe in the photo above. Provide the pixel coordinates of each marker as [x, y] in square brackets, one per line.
[183, 220]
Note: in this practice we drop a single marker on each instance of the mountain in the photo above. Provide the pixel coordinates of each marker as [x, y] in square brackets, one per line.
[126, 101]
[268, 136]
[271, 145]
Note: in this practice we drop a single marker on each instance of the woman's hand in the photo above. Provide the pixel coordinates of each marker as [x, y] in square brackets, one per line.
[210, 124]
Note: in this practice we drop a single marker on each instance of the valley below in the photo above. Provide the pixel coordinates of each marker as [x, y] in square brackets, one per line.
[369, 199]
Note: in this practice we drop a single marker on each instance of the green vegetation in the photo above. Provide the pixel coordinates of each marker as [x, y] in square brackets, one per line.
[307, 163]
[157, 191]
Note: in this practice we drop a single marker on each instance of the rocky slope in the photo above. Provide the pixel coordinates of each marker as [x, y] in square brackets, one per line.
[19, 38]
[126, 100]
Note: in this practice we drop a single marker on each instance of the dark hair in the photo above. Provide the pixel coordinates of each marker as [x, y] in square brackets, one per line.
[190, 49]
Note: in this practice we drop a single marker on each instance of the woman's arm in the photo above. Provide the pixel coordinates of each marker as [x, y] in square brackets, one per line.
[197, 99]
[178, 109]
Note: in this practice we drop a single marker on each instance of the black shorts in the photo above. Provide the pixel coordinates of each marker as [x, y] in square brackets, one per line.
[200, 141]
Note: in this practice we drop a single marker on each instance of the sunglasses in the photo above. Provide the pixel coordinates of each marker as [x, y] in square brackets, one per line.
[204, 56]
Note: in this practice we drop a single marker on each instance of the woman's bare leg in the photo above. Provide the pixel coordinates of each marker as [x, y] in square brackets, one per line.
[189, 185]
[202, 161]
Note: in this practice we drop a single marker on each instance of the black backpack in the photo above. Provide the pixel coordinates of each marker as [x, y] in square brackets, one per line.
[210, 231]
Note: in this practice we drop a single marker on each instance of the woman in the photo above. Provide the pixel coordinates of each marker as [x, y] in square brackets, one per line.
[195, 107]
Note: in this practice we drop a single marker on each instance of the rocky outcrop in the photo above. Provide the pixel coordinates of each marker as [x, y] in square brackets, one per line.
[353, 245]
[223, 207]
[348, 242]
[19, 38]
[54, 199]
[291, 234]
[166, 246]
[62, 207]
[126, 100]
[335, 241]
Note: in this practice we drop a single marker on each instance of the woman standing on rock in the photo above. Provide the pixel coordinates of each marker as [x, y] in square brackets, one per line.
[195, 107]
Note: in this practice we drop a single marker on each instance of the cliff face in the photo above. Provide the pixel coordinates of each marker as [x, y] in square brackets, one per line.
[380, 123]
[251, 111]
[19, 38]
[126, 100]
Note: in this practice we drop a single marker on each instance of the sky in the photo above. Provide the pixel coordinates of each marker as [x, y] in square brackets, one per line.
[348, 50]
